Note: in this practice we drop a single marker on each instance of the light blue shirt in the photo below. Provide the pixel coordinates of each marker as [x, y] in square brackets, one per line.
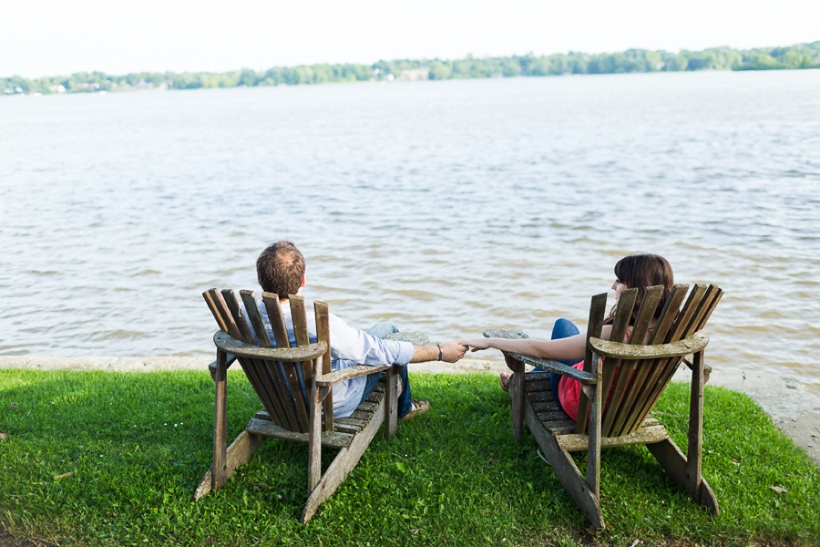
[348, 347]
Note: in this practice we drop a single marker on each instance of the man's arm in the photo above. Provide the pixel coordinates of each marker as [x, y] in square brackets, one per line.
[450, 352]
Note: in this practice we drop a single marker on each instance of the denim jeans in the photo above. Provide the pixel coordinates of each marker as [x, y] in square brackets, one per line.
[563, 328]
[383, 330]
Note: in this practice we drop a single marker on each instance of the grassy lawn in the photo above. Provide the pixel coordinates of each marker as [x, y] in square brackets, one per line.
[97, 458]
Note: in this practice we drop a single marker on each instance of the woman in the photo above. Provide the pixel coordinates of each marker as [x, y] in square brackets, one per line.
[568, 343]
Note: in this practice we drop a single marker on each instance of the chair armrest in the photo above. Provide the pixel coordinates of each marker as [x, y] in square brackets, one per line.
[212, 366]
[346, 374]
[707, 370]
[544, 364]
[511, 334]
[415, 338]
[617, 350]
[231, 345]
[560, 368]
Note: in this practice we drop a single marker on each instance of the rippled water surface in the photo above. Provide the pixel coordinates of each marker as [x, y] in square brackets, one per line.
[446, 207]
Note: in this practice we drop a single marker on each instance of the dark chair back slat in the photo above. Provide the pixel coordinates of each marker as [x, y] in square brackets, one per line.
[211, 300]
[619, 402]
[650, 371]
[300, 330]
[245, 333]
[323, 335]
[718, 295]
[669, 313]
[623, 313]
[597, 309]
[677, 332]
[303, 371]
[296, 407]
[262, 369]
[257, 323]
[222, 314]
[277, 370]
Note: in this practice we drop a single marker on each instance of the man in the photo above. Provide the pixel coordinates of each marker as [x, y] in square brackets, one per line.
[280, 269]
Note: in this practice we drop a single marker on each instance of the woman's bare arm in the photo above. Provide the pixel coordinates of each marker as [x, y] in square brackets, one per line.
[563, 349]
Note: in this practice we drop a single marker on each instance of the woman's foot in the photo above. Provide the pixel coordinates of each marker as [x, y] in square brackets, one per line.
[505, 381]
[419, 407]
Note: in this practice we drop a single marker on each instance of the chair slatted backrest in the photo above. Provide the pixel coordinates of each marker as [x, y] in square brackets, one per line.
[282, 387]
[630, 394]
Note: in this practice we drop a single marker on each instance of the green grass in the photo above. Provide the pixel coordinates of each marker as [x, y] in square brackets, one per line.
[136, 446]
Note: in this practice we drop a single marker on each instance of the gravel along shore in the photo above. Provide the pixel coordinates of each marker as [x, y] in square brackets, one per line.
[793, 406]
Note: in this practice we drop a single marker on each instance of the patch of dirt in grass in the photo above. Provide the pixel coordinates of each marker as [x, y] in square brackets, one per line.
[8, 540]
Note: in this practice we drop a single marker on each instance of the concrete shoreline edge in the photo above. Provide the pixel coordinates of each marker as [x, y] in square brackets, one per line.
[794, 409]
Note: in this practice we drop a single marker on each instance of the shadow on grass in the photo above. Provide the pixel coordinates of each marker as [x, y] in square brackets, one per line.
[113, 459]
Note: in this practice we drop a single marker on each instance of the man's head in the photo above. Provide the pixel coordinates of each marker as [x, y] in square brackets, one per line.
[280, 269]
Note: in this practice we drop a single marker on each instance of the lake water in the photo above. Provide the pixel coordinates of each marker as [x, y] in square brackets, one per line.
[446, 207]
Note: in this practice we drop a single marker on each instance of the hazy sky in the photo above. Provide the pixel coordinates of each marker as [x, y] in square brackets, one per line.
[51, 37]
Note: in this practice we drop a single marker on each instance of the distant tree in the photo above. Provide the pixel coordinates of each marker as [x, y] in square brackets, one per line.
[699, 60]
[675, 63]
[248, 77]
[439, 70]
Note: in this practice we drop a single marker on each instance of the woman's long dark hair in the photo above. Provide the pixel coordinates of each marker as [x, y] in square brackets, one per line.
[642, 271]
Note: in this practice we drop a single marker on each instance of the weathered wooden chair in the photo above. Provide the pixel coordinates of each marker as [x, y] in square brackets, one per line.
[622, 417]
[294, 385]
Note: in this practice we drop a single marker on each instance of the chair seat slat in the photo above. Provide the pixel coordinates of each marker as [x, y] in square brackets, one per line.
[269, 429]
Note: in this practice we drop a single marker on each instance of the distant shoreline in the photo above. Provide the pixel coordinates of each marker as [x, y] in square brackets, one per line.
[797, 56]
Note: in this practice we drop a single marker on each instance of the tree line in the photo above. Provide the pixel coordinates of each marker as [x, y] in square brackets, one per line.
[798, 56]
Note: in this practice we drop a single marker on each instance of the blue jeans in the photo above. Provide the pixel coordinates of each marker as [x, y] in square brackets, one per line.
[383, 330]
[563, 328]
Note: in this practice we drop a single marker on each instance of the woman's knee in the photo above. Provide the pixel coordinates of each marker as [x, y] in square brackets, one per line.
[382, 330]
[564, 328]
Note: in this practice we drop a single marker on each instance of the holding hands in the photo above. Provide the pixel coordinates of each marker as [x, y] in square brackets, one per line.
[477, 344]
[453, 351]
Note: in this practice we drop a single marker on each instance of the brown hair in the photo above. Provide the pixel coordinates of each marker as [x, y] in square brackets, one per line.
[280, 269]
[642, 271]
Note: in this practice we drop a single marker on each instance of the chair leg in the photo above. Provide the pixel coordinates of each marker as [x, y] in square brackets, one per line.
[392, 401]
[518, 392]
[594, 435]
[694, 451]
[345, 461]
[239, 453]
[567, 472]
[315, 430]
[674, 462]
[220, 475]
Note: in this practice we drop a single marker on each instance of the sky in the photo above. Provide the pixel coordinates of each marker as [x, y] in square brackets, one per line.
[59, 37]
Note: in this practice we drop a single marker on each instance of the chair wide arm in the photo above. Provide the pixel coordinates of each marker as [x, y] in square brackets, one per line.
[212, 366]
[231, 345]
[616, 350]
[346, 374]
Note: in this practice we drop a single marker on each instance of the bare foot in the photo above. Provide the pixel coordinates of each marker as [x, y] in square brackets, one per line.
[505, 381]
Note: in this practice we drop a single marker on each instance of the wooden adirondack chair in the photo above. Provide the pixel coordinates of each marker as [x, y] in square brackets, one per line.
[294, 385]
[623, 419]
